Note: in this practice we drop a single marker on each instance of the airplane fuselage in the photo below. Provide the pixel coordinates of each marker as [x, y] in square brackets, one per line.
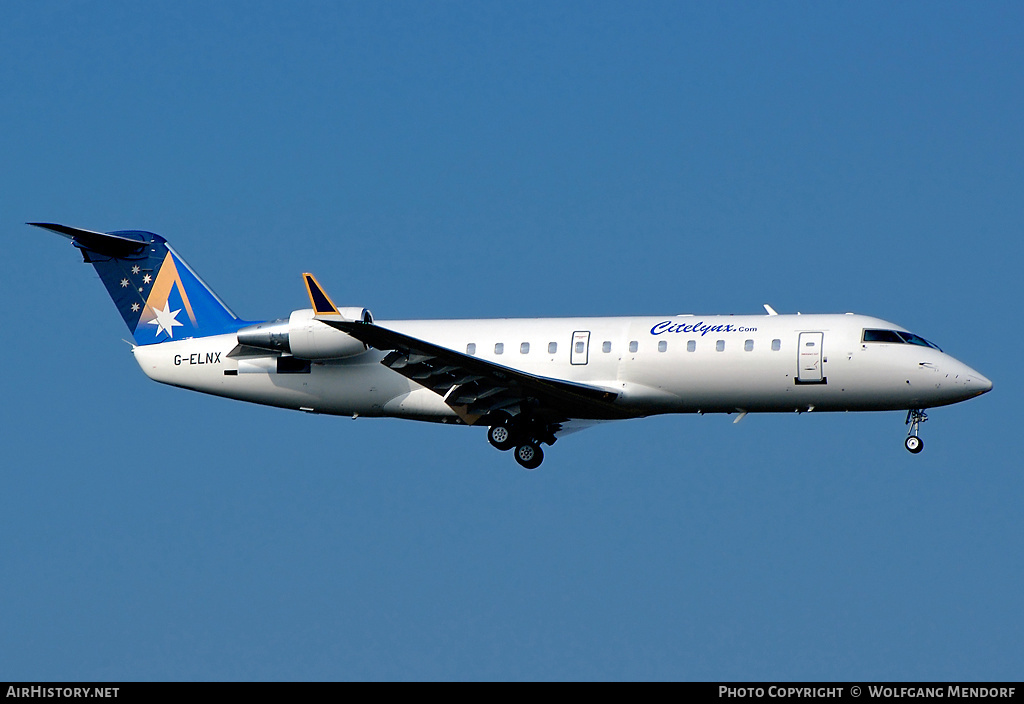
[527, 381]
[671, 364]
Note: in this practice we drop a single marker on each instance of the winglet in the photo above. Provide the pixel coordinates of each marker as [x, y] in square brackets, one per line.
[322, 304]
[769, 309]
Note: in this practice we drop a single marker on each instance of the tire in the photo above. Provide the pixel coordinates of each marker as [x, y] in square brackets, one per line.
[529, 455]
[914, 444]
[501, 437]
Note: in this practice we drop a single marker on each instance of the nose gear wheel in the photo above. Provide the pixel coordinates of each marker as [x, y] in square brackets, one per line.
[913, 443]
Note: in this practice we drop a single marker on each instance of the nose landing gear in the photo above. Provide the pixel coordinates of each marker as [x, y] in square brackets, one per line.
[913, 443]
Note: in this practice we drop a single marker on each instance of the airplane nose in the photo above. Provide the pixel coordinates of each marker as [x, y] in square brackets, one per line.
[979, 384]
[966, 381]
[974, 384]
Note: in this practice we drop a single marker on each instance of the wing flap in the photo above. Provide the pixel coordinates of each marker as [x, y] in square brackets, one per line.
[475, 387]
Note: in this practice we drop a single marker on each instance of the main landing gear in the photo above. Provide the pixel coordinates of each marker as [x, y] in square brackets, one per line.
[522, 434]
[913, 443]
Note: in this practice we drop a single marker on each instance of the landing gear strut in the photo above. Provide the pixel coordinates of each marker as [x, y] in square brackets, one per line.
[915, 416]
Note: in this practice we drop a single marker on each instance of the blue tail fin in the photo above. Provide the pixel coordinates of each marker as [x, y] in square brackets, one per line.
[157, 293]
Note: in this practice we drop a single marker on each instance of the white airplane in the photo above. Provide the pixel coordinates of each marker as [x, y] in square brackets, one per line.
[528, 381]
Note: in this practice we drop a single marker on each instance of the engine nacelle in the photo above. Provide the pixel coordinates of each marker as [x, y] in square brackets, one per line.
[305, 337]
[313, 339]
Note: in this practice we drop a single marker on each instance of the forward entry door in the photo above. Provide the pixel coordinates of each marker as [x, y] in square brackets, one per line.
[809, 358]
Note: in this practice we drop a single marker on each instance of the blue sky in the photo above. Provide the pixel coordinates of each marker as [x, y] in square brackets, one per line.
[503, 160]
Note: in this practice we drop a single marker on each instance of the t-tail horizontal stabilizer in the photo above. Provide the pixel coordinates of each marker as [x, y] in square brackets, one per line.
[157, 293]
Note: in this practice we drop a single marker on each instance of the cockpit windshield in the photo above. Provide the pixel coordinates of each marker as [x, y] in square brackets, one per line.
[898, 337]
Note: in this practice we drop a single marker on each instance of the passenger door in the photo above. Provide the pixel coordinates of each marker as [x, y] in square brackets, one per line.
[809, 358]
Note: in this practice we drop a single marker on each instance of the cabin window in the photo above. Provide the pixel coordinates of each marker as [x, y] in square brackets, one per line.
[720, 345]
[581, 346]
[524, 348]
[606, 346]
[471, 348]
[748, 346]
[633, 346]
[499, 347]
[691, 345]
[776, 345]
[662, 346]
[552, 347]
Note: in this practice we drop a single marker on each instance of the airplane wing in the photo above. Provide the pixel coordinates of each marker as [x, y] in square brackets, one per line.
[474, 387]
